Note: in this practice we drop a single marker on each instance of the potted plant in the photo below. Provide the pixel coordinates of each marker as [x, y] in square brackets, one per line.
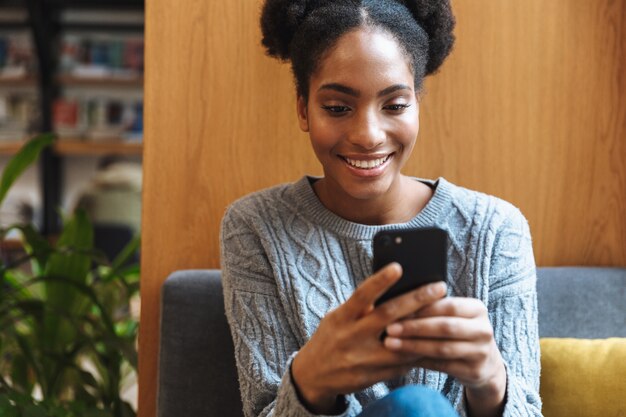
[67, 338]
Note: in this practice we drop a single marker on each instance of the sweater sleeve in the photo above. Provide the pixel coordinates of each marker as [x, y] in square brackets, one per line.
[512, 309]
[262, 336]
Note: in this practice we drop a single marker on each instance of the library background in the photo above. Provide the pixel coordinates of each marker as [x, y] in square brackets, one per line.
[74, 68]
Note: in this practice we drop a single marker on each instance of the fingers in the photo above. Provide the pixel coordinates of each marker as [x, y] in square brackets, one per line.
[454, 307]
[404, 305]
[439, 349]
[464, 371]
[456, 328]
[373, 375]
[370, 290]
[459, 367]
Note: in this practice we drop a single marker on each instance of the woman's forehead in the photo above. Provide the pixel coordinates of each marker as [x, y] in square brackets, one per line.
[364, 57]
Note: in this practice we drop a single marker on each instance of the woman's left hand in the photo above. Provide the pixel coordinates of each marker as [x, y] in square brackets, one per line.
[454, 335]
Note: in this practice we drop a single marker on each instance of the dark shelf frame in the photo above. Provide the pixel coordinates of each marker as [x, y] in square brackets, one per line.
[104, 27]
[43, 21]
[12, 26]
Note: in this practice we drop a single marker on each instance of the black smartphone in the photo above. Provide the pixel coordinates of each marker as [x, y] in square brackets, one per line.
[421, 252]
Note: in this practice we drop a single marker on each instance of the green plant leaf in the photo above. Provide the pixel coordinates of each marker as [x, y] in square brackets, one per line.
[13, 286]
[96, 413]
[127, 253]
[37, 246]
[7, 409]
[30, 357]
[22, 160]
[19, 374]
[72, 257]
[62, 313]
[33, 410]
[70, 261]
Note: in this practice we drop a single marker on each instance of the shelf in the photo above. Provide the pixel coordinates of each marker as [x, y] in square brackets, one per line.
[29, 81]
[70, 81]
[78, 147]
[10, 147]
[100, 147]
[100, 4]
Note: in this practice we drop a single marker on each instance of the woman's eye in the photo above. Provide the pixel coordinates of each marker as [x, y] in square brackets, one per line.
[336, 110]
[397, 107]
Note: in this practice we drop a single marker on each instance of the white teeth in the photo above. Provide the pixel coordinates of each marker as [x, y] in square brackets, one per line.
[372, 163]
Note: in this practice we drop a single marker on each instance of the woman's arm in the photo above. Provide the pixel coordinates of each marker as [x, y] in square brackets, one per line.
[492, 350]
[513, 313]
[262, 337]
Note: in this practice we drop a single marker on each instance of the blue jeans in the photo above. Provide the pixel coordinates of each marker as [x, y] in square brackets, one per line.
[411, 401]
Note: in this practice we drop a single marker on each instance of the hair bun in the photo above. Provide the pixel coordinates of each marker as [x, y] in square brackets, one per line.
[279, 21]
[436, 18]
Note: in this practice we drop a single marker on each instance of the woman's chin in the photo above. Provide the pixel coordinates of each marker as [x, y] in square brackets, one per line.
[371, 190]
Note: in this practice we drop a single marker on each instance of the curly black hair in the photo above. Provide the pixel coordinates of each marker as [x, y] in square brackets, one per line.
[302, 31]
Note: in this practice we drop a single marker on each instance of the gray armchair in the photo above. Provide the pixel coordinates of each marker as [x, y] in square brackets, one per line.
[197, 375]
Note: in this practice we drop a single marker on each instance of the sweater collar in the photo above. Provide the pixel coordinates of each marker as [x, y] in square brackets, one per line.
[312, 207]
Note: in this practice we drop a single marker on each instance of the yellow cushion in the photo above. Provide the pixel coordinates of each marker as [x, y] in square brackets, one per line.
[583, 377]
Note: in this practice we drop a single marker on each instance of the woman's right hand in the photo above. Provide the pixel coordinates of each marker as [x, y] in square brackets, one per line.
[345, 354]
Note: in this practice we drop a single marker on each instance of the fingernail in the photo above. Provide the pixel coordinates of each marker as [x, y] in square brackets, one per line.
[436, 288]
[393, 343]
[394, 329]
[432, 289]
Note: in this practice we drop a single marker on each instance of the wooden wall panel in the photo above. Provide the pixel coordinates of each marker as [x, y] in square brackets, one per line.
[530, 107]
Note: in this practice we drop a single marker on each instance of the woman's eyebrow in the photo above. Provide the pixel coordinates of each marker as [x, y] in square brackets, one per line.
[340, 88]
[392, 89]
[356, 93]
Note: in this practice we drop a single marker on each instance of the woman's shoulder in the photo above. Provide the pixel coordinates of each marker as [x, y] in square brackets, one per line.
[480, 206]
[258, 205]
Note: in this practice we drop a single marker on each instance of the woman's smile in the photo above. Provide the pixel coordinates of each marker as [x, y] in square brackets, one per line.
[367, 165]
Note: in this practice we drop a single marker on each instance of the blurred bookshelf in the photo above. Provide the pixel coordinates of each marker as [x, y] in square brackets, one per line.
[11, 82]
[69, 81]
[10, 147]
[77, 147]
[74, 68]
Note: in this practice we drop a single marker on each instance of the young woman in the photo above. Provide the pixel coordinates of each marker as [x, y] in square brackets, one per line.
[297, 258]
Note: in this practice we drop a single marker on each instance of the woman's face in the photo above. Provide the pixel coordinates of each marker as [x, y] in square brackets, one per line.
[362, 115]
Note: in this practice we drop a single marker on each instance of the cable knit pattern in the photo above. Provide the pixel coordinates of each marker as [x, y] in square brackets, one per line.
[287, 261]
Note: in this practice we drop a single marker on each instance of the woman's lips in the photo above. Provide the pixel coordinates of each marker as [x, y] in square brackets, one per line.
[370, 166]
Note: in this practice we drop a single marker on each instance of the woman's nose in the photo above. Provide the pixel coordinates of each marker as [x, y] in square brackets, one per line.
[367, 131]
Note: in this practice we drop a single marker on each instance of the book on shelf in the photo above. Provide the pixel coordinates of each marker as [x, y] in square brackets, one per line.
[17, 56]
[98, 118]
[102, 56]
[18, 115]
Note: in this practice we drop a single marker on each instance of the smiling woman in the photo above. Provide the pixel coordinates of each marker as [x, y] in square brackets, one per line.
[362, 116]
[300, 295]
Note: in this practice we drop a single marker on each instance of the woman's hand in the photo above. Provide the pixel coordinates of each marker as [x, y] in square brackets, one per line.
[454, 335]
[345, 354]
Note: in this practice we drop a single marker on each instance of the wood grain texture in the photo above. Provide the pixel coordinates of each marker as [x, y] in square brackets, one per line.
[530, 107]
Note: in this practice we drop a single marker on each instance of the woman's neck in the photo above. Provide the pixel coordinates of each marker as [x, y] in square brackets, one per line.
[403, 201]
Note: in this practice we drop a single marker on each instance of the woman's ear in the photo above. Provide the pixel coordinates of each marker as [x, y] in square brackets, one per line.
[303, 118]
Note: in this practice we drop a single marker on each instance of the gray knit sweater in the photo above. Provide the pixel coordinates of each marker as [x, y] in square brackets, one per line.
[287, 261]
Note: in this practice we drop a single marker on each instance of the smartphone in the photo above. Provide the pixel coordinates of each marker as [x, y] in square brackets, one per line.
[421, 252]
